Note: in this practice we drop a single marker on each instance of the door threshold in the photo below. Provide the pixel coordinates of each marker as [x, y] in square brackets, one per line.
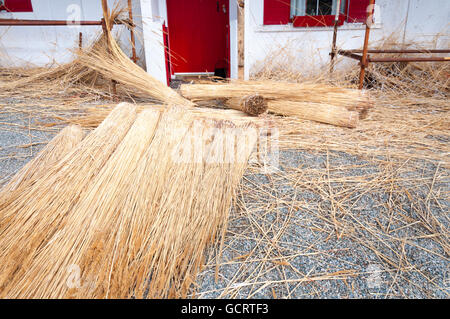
[189, 74]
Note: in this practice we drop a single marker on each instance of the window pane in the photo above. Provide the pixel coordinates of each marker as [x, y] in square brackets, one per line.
[315, 7]
[325, 7]
[298, 8]
[311, 7]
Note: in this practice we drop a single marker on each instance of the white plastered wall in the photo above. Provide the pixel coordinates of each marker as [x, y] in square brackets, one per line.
[47, 45]
[403, 21]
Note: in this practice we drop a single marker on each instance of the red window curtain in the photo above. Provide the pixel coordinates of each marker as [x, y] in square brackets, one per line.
[357, 10]
[277, 11]
[17, 6]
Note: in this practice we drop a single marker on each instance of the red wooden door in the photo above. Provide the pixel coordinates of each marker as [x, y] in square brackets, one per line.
[198, 35]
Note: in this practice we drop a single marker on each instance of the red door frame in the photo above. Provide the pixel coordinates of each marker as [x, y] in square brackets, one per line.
[170, 56]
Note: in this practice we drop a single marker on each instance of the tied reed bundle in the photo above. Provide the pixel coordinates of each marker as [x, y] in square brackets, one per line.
[96, 211]
[111, 62]
[323, 113]
[284, 97]
[149, 213]
[53, 152]
[31, 216]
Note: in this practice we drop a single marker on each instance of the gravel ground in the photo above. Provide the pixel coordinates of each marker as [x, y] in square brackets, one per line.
[366, 261]
[325, 225]
[18, 142]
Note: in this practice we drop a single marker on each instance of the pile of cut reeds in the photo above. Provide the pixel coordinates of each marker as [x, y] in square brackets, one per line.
[128, 212]
[312, 101]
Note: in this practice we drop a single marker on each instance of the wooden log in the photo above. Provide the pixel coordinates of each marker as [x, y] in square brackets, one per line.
[251, 104]
[319, 112]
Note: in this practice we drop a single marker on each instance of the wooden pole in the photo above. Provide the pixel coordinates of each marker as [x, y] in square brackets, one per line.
[80, 41]
[333, 46]
[366, 43]
[133, 40]
[106, 26]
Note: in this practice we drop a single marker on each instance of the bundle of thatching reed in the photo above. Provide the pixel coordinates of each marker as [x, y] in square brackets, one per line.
[31, 215]
[323, 113]
[112, 63]
[93, 116]
[313, 101]
[64, 142]
[140, 223]
[97, 204]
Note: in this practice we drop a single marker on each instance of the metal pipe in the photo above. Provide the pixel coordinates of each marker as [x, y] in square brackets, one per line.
[350, 54]
[333, 46]
[21, 22]
[415, 59]
[401, 51]
[366, 44]
[133, 41]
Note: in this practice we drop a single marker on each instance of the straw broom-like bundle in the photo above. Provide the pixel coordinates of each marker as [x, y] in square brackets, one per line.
[30, 216]
[324, 113]
[55, 150]
[96, 210]
[189, 225]
[111, 62]
[115, 65]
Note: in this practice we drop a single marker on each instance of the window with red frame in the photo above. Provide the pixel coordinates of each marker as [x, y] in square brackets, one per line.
[16, 5]
[313, 13]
